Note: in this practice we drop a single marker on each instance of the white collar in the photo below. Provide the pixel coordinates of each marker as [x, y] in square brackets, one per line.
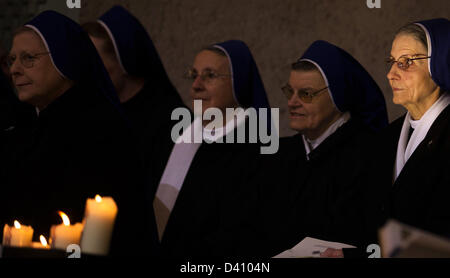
[218, 133]
[421, 127]
[196, 133]
[310, 145]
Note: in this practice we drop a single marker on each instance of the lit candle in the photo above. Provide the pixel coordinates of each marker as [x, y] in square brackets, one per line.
[17, 235]
[65, 234]
[99, 218]
[42, 244]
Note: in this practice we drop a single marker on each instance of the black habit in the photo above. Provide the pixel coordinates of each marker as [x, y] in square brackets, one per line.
[211, 213]
[149, 112]
[80, 146]
[318, 198]
[419, 195]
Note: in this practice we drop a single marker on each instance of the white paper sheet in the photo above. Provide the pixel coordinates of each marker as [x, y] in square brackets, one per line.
[311, 247]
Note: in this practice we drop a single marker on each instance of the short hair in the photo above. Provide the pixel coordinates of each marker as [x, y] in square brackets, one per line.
[96, 30]
[416, 32]
[304, 66]
[215, 49]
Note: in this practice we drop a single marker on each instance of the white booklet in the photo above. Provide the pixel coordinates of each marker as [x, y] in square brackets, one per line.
[311, 247]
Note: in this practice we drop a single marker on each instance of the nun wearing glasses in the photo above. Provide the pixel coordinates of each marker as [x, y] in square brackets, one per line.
[200, 203]
[414, 160]
[81, 143]
[409, 180]
[312, 189]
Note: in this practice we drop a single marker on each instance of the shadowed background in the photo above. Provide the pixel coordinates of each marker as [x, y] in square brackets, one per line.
[277, 32]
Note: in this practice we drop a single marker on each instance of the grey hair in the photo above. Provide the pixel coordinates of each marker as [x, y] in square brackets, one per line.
[416, 32]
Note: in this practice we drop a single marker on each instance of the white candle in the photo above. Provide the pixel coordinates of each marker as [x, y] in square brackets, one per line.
[99, 218]
[17, 235]
[42, 244]
[65, 234]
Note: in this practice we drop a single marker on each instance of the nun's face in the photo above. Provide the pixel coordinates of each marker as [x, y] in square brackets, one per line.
[311, 119]
[37, 83]
[111, 63]
[413, 87]
[212, 91]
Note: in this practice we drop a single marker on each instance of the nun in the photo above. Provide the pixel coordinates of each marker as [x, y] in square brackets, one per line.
[81, 143]
[411, 177]
[310, 188]
[143, 87]
[201, 199]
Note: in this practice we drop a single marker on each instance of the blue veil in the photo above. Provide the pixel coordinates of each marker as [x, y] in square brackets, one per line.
[351, 87]
[72, 52]
[133, 46]
[248, 88]
[438, 37]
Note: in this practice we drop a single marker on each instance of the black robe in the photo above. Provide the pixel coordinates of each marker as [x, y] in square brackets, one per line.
[15, 117]
[319, 197]
[80, 146]
[149, 112]
[211, 214]
[419, 196]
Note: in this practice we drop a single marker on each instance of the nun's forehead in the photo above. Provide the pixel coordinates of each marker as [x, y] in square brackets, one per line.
[210, 59]
[27, 39]
[407, 44]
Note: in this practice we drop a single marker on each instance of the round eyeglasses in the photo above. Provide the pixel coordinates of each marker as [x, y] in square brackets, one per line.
[304, 95]
[26, 59]
[403, 62]
[206, 76]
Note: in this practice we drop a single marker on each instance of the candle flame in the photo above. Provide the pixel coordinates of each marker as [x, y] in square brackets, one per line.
[65, 218]
[98, 199]
[17, 224]
[43, 240]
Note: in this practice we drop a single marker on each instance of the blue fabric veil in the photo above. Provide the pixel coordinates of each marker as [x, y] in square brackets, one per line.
[351, 87]
[72, 52]
[133, 46]
[438, 37]
[248, 88]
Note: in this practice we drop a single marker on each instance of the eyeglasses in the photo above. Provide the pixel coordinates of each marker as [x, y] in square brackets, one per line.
[206, 75]
[26, 59]
[404, 63]
[305, 96]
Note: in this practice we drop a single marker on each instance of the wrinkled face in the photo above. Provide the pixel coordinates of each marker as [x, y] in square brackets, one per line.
[41, 83]
[213, 92]
[110, 61]
[413, 85]
[311, 119]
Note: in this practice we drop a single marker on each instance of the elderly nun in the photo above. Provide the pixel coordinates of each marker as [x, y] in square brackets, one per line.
[81, 144]
[200, 202]
[411, 177]
[310, 188]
